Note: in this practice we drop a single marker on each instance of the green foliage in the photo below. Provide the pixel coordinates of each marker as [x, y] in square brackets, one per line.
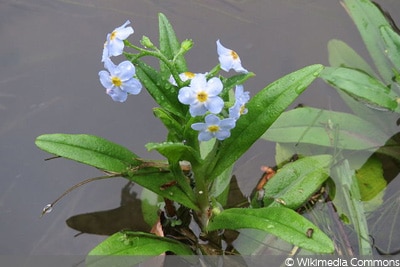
[279, 221]
[202, 186]
[89, 149]
[316, 126]
[137, 243]
[296, 182]
[264, 108]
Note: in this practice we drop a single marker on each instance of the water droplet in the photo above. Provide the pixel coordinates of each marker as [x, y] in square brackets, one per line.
[316, 74]
[47, 209]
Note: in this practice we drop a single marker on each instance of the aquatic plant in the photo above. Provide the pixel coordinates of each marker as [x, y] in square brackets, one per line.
[211, 123]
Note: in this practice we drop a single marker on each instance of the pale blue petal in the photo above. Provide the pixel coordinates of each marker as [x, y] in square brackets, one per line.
[227, 124]
[205, 136]
[115, 47]
[124, 33]
[186, 96]
[214, 86]
[197, 109]
[214, 104]
[105, 79]
[126, 70]
[109, 65]
[117, 94]
[212, 119]
[132, 86]
[221, 135]
[199, 126]
[199, 81]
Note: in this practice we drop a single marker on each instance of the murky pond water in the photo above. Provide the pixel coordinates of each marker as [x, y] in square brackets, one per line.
[50, 54]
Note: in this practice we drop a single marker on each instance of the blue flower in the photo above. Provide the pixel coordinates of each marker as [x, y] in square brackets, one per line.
[119, 80]
[115, 41]
[214, 127]
[184, 76]
[202, 95]
[229, 59]
[241, 98]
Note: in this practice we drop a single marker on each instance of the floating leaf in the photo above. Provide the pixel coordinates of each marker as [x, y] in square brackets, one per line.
[362, 87]
[369, 19]
[89, 149]
[342, 55]
[279, 221]
[263, 109]
[319, 127]
[296, 182]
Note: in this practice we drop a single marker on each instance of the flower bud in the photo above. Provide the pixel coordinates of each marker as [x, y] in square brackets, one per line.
[187, 45]
[146, 42]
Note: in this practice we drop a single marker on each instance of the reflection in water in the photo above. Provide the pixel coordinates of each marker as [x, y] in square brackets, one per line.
[128, 216]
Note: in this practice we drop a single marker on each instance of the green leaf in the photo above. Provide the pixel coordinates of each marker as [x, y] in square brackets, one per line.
[319, 127]
[175, 132]
[279, 221]
[392, 41]
[175, 152]
[230, 82]
[156, 182]
[89, 149]
[162, 91]
[342, 55]
[263, 109]
[370, 179]
[128, 243]
[362, 87]
[296, 182]
[369, 19]
[169, 46]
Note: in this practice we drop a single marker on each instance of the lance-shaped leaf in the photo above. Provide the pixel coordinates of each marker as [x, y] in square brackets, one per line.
[169, 46]
[279, 221]
[342, 55]
[230, 82]
[296, 182]
[319, 127]
[89, 149]
[165, 184]
[263, 109]
[369, 19]
[128, 243]
[162, 91]
[362, 87]
[392, 41]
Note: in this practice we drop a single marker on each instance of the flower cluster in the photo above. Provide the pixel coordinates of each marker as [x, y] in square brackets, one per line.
[202, 96]
[118, 80]
[202, 93]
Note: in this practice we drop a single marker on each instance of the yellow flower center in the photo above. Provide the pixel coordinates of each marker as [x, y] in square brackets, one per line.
[189, 75]
[116, 81]
[202, 96]
[213, 128]
[242, 109]
[234, 55]
[113, 35]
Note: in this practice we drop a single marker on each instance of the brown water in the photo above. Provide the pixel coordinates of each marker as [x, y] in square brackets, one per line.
[50, 54]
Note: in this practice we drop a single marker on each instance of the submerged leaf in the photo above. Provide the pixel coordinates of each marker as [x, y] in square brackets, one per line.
[279, 221]
[322, 127]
